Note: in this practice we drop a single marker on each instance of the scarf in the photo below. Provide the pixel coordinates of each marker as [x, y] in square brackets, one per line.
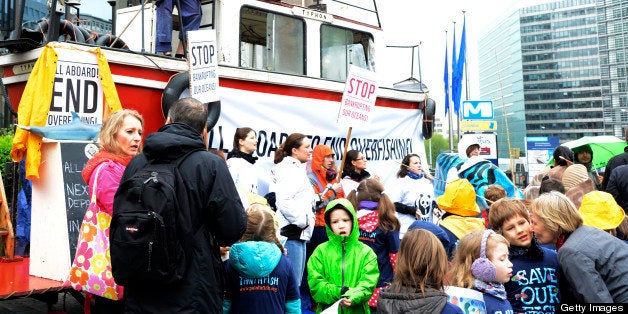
[415, 176]
[493, 288]
[560, 241]
[356, 176]
[533, 252]
[243, 155]
[100, 157]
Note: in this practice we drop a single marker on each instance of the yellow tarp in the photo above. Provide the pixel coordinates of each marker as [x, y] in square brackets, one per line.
[37, 96]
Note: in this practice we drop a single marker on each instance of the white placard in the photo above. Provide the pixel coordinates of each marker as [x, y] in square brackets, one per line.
[202, 58]
[359, 97]
[77, 88]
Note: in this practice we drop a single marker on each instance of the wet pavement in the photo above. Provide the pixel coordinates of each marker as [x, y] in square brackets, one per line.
[65, 303]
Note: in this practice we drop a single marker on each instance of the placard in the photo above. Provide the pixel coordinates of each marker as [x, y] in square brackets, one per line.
[77, 88]
[359, 97]
[203, 63]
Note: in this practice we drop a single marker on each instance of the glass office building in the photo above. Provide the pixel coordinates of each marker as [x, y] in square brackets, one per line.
[559, 69]
[501, 80]
[612, 21]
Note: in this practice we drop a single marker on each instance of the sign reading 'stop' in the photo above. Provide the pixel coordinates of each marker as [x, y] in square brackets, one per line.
[203, 61]
[359, 97]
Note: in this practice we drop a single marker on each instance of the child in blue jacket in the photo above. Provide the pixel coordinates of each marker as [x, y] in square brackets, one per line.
[260, 278]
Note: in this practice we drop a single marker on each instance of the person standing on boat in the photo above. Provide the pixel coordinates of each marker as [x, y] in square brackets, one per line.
[294, 198]
[190, 12]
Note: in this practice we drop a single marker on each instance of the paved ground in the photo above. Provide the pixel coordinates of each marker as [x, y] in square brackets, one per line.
[33, 306]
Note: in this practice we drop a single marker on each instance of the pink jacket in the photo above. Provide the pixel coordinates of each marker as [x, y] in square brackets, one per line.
[109, 177]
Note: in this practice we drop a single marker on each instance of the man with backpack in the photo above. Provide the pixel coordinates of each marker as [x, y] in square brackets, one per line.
[165, 238]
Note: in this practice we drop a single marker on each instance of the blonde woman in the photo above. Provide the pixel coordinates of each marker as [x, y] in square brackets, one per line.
[594, 263]
[120, 140]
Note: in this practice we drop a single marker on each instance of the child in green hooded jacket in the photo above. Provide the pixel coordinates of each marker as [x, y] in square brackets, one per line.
[342, 268]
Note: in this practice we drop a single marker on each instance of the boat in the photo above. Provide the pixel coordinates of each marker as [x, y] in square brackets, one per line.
[282, 68]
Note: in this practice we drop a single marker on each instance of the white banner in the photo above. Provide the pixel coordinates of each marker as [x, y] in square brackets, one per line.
[76, 89]
[392, 134]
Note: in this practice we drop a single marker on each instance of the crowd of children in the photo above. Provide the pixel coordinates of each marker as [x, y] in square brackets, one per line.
[514, 254]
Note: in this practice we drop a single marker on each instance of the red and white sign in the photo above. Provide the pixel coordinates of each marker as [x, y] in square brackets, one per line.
[359, 98]
[203, 61]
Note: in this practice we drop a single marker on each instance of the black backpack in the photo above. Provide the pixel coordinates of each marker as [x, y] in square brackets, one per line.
[151, 228]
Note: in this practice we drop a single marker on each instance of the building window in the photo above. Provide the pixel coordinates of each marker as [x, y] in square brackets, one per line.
[271, 41]
[341, 47]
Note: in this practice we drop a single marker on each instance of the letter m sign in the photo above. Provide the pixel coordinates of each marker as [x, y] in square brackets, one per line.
[477, 110]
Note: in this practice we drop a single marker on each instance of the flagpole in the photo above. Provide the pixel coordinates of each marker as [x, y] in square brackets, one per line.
[466, 66]
[447, 102]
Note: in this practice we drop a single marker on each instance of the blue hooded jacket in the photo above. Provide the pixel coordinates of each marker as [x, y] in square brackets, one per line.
[260, 280]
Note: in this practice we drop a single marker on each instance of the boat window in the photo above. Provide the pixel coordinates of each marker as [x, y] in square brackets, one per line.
[271, 41]
[341, 47]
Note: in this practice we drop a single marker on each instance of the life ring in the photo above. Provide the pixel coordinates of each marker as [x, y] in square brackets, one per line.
[89, 36]
[178, 85]
[67, 32]
[428, 118]
[108, 40]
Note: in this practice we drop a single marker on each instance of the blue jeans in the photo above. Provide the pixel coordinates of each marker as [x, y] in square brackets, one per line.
[190, 11]
[296, 254]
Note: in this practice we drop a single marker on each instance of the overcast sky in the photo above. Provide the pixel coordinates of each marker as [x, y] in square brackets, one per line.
[408, 22]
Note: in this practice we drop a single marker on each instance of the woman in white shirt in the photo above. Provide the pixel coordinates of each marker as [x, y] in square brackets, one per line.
[241, 161]
[412, 193]
[294, 198]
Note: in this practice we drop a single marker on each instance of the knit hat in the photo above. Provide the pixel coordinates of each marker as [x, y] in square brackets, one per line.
[600, 210]
[574, 175]
[459, 199]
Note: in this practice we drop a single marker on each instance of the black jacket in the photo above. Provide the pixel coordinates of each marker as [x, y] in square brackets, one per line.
[215, 207]
[621, 159]
[618, 186]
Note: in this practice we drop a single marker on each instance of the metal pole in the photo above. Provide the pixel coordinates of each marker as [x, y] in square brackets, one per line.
[113, 16]
[185, 37]
[418, 52]
[55, 18]
[143, 49]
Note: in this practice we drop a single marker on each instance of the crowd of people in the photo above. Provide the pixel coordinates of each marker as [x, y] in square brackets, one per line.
[342, 238]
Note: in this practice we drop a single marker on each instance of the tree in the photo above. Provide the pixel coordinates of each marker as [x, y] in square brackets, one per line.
[439, 144]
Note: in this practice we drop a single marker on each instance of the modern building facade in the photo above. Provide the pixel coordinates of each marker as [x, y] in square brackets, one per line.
[612, 21]
[501, 80]
[558, 69]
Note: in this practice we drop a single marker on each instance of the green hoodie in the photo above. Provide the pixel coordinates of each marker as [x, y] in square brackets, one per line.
[342, 261]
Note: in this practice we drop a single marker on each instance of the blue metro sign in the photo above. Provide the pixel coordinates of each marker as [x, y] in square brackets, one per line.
[477, 110]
